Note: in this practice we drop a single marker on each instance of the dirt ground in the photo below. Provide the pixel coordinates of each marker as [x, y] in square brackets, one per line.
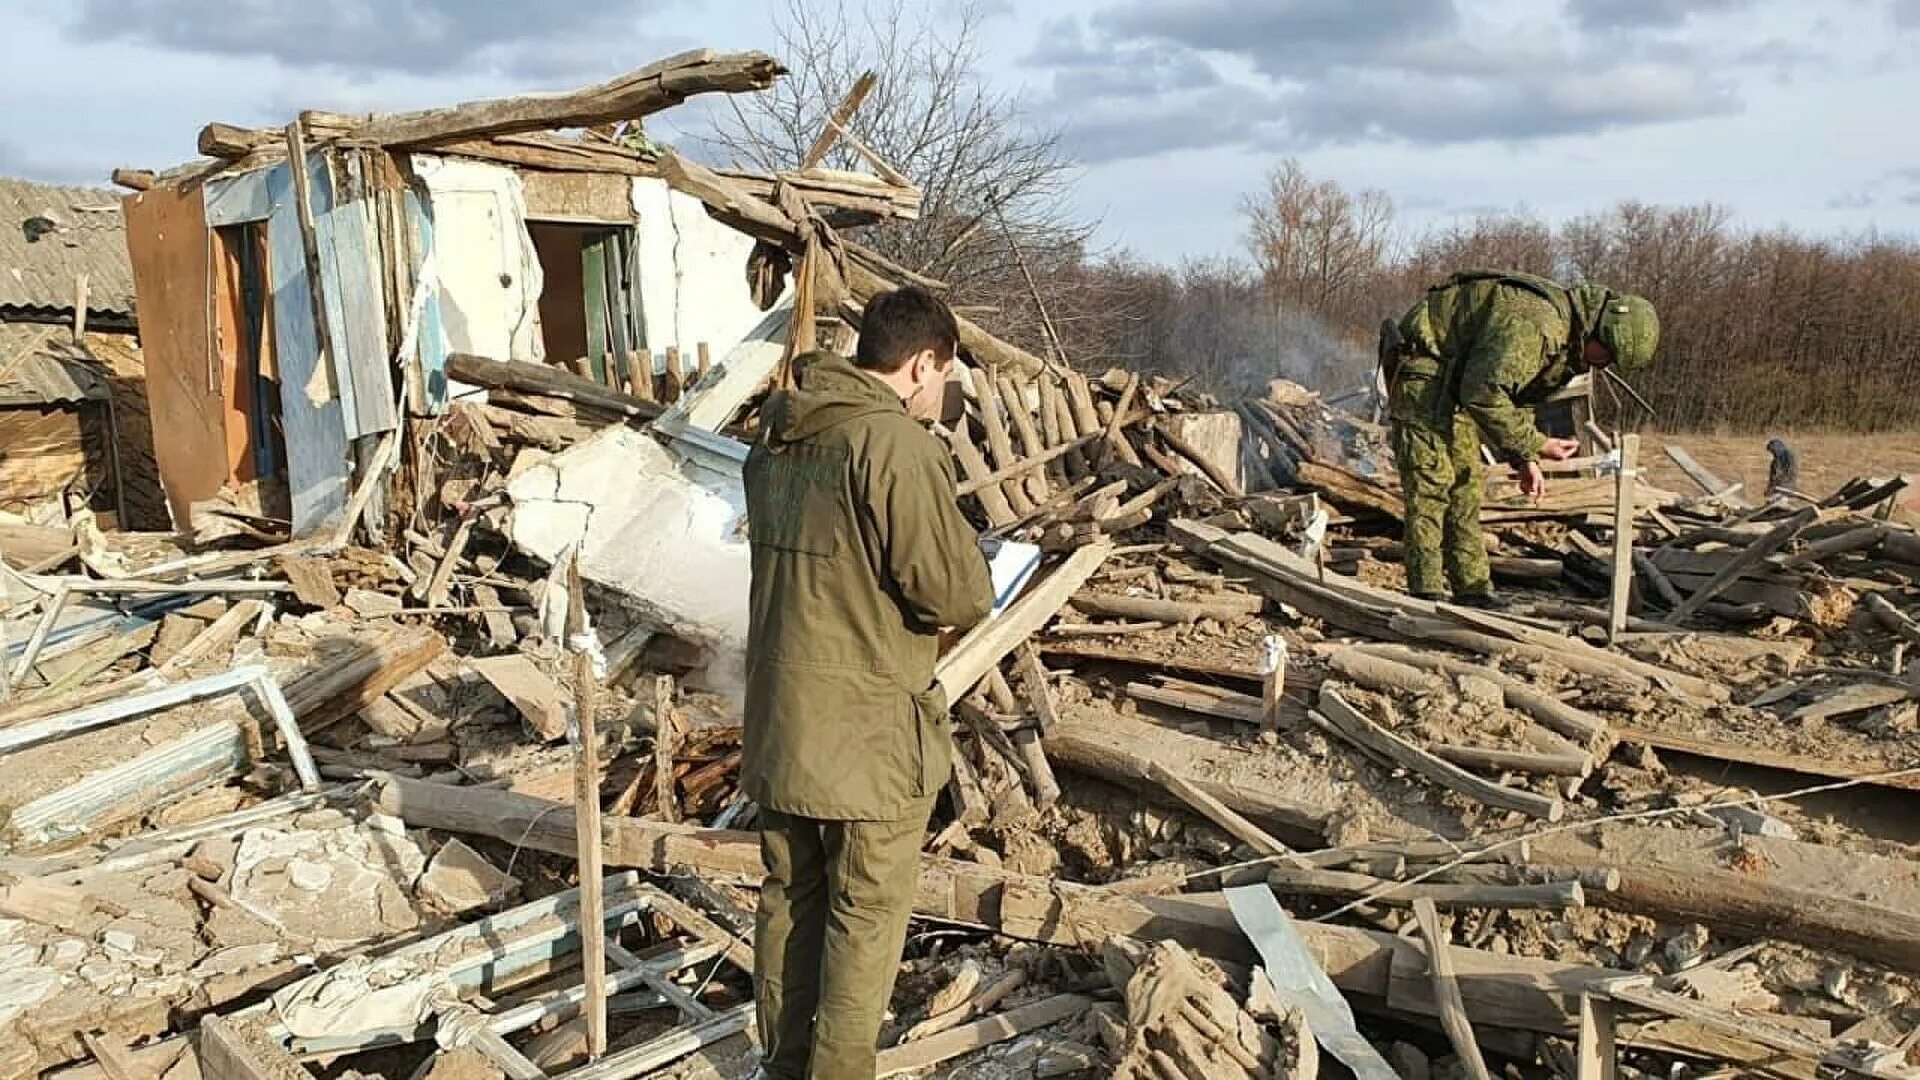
[1828, 459]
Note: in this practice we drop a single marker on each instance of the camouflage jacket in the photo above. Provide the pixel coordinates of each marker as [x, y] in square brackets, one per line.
[1495, 344]
[860, 556]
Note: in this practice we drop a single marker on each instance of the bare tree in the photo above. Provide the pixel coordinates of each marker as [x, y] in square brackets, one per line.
[995, 187]
[1315, 242]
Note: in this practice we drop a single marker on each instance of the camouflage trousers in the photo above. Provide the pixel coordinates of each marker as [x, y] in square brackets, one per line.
[1440, 476]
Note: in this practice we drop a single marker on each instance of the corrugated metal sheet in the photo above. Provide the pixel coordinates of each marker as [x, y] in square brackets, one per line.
[49, 236]
[43, 365]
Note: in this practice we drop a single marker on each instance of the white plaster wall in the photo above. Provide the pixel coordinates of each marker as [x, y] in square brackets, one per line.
[693, 275]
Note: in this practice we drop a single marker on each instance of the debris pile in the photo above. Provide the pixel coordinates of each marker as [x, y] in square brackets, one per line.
[324, 797]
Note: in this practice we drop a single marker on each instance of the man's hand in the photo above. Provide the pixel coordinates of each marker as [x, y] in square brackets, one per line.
[1559, 449]
[1533, 482]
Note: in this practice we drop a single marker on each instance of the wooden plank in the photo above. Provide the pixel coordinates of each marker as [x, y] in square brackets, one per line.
[1753, 556]
[169, 248]
[842, 115]
[356, 312]
[934, 1049]
[1621, 595]
[1220, 814]
[1363, 732]
[233, 1049]
[586, 814]
[1446, 988]
[999, 442]
[987, 644]
[1595, 1047]
[528, 689]
[593, 287]
[1701, 475]
[629, 97]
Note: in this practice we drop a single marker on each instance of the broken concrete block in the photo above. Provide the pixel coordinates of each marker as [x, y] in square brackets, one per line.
[460, 879]
[1750, 822]
[663, 527]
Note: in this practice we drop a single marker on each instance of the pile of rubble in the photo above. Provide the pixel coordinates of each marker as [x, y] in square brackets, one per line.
[1223, 796]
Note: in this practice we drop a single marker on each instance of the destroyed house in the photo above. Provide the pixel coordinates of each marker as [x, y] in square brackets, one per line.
[294, 317]
[73, 430]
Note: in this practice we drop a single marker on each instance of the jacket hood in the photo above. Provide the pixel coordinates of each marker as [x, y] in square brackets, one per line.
[829, 391]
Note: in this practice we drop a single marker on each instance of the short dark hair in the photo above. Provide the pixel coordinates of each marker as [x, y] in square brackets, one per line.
[898, 324]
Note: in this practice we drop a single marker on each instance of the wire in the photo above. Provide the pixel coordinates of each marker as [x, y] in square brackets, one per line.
[1477, 853]
[1392, 887]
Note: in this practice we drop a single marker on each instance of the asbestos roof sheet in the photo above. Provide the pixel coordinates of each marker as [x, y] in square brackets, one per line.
[49, 235]
[43, 365]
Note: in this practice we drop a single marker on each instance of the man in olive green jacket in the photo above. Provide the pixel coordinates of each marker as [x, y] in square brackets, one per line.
[1469, 362]
[860, 558]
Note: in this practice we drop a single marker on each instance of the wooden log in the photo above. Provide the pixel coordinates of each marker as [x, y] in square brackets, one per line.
[1496, 759]
[1311, 881]
[1364, 733]
[1377, 672]
[1123, 750]
[982, 482]
[230, 141]
[1662, 585]
[1890, 617]
[1031, 445]
[529, 378]
[1753, 556]
[632, 96]
[842, 115]
[1446, 987]
[1901, 545]
[976, 484]
[134, 179]
[1115, 443]
[1596, 879]
[999, 443]
[1225, 608]
[1500, 991]
[1855, 539]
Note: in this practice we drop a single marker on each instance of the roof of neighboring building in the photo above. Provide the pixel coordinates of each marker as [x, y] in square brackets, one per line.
[49, 235]
[43, 365]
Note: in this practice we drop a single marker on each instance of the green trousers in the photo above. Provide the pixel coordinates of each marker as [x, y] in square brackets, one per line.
[1440, 476]
[833, 917]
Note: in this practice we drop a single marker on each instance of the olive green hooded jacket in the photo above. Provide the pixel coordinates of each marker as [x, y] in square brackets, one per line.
[860, 557]
[1495, 344]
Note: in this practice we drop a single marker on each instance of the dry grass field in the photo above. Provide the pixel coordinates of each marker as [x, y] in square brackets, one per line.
[1827, 460]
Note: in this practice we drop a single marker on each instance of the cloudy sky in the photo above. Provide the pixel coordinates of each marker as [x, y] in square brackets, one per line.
[1788, 112]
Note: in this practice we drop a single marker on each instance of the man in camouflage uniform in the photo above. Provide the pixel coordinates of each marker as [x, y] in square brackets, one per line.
[860, 558]
[1470, 362]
